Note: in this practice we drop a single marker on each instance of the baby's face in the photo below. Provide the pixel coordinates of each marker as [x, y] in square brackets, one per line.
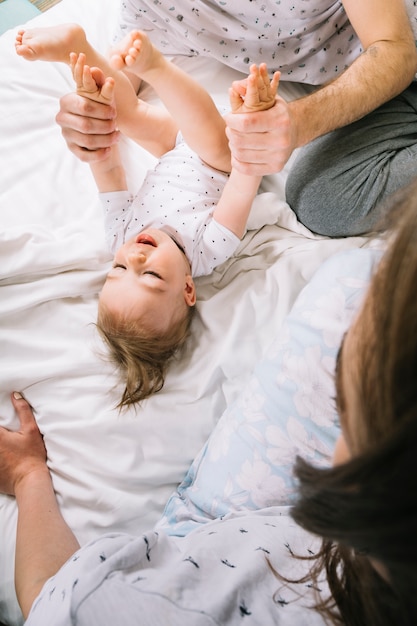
[149, 278]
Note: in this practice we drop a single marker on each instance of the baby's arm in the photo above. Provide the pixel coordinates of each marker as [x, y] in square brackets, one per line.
[255, 93]
[91, 83]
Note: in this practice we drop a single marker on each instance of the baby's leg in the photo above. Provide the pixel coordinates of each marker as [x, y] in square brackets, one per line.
[58, 43]
[149, 126]
[188, 102]
[51, 43]
[256, 92]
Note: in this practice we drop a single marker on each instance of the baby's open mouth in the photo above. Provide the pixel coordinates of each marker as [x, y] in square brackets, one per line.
[146, 239]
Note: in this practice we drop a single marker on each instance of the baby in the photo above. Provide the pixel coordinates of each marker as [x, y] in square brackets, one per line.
[189, 214]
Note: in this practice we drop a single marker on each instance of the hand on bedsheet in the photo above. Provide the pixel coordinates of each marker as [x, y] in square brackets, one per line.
[22, 452]
[44, 540]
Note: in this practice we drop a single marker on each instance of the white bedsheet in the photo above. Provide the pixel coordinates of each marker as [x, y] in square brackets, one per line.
[111, 471]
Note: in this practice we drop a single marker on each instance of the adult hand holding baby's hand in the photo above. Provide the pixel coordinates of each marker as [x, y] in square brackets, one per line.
[88, 127]
[22, 452]
[261, 143]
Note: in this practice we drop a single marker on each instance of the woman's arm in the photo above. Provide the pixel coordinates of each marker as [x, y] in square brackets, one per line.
[44, 541]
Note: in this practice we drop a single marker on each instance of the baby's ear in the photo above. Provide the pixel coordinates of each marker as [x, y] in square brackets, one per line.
[190, 295]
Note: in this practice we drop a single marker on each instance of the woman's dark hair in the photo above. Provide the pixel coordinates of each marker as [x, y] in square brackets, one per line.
[366, 509]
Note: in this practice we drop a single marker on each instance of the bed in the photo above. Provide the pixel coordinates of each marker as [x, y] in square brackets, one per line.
[111, 470]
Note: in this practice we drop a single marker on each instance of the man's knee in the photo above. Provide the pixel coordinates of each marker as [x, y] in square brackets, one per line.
[324, 206]
[320, 217]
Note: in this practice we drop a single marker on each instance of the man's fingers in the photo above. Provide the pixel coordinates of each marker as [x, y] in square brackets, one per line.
[72, 104]
[85, 125]
[78, 141]
[87, 155]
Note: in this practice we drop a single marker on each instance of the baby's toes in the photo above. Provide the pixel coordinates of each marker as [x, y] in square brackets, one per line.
[133, 52]
[130, 59]
[116, 61]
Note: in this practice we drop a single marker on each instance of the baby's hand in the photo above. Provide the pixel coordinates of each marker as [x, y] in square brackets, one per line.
[91, 81]
[254, 93]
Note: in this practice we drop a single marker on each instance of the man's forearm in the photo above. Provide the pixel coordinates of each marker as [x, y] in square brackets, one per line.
[383, 71]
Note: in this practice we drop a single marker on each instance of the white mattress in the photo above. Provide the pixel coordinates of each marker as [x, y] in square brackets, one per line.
[111, 471]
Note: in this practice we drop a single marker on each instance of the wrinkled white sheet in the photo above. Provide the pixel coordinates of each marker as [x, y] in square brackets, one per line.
[111, 471]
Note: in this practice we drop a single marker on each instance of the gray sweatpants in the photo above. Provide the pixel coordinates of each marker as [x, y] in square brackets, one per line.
[338, 182]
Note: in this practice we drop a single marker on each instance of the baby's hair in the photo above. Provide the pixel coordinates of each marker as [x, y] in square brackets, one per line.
[142, 355]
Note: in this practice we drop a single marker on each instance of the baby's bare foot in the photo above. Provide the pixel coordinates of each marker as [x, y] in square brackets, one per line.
[136, 53]
[91, 81]
[50, 44]
[256, 92]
